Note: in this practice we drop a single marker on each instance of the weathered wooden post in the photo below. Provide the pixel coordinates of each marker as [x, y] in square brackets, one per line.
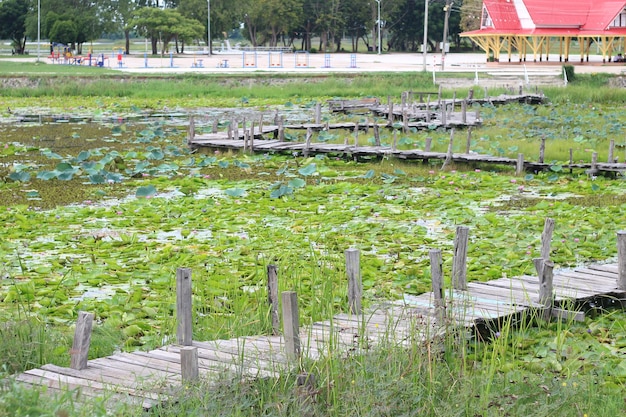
[281, 129]
[307, 143]
[571, 160]
[611, 151]
[621, 260]
[449, 153]
[272, 297]
[468, 143]
[519, 167]
[183, 307]
[376, 134]
[546, 238]
[428, 144]
[464, 111]
[459, 260]
[355, 286]
[436, 273]
[395, 140]
[318, 113]
[545, 286]
[189, 363]
[82, 339]
[444, 120]
[405, 121]
[356, 134]
[291, 325]
[215, 126]
[251, 143]
[191, 131]
[594, 163]
[390, 110]
[428, 108]
[542, 149]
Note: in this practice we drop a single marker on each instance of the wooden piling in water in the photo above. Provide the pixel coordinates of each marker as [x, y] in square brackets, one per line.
[428, 144]
[82, 340]
[436, 273]
[611, 150]
[546, 295]
[291, 325]
[183, 307]
[189, 363]
[272, 297]
[376, 134]
[621, 260]
[519, 167]
[468, 143]
[449, 153]
[355, 286]
[542, 149]
[191, 130]
[459, 260]
[546, 238]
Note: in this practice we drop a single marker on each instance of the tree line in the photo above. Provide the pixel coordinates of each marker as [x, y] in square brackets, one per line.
[290, 23]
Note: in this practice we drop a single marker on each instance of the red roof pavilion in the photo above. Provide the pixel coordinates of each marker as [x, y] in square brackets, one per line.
[534, 26]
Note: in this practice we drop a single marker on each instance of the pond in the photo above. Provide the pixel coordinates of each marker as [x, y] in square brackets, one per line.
[98, 215]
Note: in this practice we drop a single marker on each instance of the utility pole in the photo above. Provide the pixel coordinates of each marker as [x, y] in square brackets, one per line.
[378, 1]
[208, 30]
[447, 9]
[425, 44]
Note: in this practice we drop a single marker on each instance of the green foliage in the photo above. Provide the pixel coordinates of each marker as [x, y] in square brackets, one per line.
[569, 73]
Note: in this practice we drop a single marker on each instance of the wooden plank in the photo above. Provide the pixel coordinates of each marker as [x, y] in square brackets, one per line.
[611, 268]
[83, 394]
[67, 375]
[135, 369]
[146, 361]
[565, 286]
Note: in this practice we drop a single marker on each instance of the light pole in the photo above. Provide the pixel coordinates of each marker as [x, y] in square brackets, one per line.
[425, 44]
[447, 9]
[378, 1]
[208, 30]
[38, 29]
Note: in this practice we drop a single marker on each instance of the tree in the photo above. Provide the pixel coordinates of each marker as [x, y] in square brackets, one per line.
[63, 31]
[13, 23]
[165, 25]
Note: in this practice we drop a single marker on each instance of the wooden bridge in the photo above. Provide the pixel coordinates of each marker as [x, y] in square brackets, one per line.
[411, 114]
[149, 378]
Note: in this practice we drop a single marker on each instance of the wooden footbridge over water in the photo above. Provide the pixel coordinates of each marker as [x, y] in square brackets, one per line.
[150, 378]
[271, 138]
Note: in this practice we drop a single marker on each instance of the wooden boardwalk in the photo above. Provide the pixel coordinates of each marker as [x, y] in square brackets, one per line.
[150, 378]
[221, 141]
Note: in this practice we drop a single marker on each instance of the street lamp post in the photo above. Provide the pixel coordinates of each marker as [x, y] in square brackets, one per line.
[378, 1]
[208, 30]
[447, 9]
[425, 44]
[38, 29]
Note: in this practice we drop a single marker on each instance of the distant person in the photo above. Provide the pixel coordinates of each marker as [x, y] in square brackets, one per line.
[619, 58]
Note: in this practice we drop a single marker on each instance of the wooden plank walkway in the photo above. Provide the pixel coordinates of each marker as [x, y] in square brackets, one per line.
[150, 378]
[221, 141]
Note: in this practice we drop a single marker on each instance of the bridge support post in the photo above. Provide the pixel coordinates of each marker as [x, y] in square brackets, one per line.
[189, 363]
[436, 273]
[459, 260]
[183, 307]
[291, 325]
[82, 340]
[621, 260]
[355, 286]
